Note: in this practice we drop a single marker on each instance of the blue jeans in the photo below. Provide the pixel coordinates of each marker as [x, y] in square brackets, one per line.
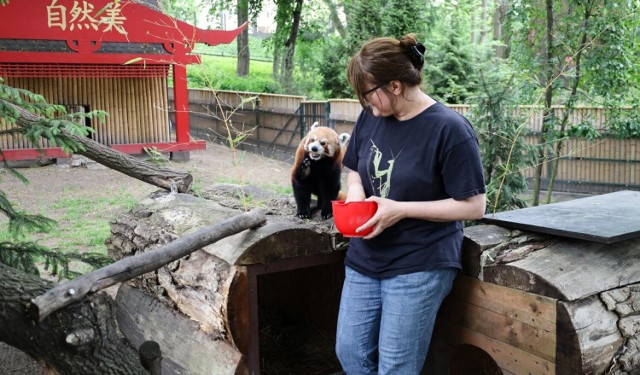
[385, 324]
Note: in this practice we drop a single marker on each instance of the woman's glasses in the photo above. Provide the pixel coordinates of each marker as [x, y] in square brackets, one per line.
[364, 94]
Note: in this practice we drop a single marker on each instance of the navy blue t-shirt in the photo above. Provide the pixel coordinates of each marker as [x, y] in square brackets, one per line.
[432, 156]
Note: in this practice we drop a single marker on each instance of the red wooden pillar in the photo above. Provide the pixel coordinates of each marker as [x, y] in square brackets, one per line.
[181, 100]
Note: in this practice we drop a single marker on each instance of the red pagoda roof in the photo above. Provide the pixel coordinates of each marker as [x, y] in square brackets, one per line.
[87, 25]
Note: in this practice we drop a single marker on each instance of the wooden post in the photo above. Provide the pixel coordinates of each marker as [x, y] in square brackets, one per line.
[181, 102]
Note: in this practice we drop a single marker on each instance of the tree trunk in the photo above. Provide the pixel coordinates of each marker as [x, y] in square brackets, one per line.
[275, 67]
[162, 177]
[335, 18]
[242, 65]
[501, 9]
[548, 123]
[291, 46]
[570, 102]
[80, 339]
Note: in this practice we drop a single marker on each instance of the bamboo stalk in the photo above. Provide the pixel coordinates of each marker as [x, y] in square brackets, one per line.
[106, 97]
[133, 103]
[151, 107]
[147, 104]
[164, 103]
[96, 105]
[144, 128]
[117, 120]
[130, 108]
[111, 131]
[157, 110]
[124, 90]
[157, 114]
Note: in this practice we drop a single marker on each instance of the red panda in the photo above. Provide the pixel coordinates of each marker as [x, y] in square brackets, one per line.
[316, 170]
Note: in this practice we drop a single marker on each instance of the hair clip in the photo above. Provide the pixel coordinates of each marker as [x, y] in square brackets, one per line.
[416, 55]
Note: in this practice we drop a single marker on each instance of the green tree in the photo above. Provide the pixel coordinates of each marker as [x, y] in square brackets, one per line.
[245, 10]
[401, 17]
[184, 10]
[450, 74]
[578, 53]
[505, 154]
[288, 18]
[364, 20]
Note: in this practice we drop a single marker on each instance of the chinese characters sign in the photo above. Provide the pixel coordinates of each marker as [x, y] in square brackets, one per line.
[86, 25]
[83, 16]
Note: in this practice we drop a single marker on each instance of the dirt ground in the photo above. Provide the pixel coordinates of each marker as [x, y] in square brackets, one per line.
[85, 178]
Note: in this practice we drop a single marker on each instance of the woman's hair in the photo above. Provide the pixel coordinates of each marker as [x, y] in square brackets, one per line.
[382, 60]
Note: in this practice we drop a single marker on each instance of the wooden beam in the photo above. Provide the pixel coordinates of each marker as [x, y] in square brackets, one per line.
[128, 268]
[528, 308]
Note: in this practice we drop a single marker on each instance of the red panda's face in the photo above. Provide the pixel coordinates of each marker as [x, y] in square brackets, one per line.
[322, 142]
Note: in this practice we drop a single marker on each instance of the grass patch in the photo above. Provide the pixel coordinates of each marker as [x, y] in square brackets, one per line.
[258, 51]
[219, 73]
[83, 223]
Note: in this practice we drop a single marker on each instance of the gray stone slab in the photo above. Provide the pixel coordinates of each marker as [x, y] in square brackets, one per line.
[605, 218]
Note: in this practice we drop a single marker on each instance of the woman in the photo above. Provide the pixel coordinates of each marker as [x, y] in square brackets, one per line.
[420, 162]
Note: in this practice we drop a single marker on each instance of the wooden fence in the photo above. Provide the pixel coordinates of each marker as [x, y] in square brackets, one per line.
[274, 124]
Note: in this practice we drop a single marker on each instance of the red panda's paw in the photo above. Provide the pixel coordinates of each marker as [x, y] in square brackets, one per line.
[304, 169]
[326, 215]
[303, 215]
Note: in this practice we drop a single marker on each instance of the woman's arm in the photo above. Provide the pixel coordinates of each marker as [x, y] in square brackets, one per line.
[390, 211]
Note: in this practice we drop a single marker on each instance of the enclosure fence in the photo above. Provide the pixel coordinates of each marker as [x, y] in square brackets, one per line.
[274, 124]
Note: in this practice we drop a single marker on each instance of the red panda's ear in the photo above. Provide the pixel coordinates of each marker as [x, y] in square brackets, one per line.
[315, 125]
[344, 139]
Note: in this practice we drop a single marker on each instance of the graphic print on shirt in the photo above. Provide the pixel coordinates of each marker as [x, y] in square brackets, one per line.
[380, 177]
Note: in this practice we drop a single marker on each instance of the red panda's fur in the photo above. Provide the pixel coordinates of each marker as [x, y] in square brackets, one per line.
[316, 170]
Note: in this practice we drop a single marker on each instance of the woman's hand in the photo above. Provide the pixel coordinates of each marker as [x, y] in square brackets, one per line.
[389, 212]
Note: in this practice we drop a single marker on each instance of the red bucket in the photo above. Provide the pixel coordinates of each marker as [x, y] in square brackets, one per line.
[350, 216]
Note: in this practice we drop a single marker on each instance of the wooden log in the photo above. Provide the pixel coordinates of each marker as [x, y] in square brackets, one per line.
[552, 271]
[131, 267]
[212, 287]
[596, 287]
[507, 357]
[51, 342]
[477, 239]
[625, 302]
[588, 337]
[187, 349]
